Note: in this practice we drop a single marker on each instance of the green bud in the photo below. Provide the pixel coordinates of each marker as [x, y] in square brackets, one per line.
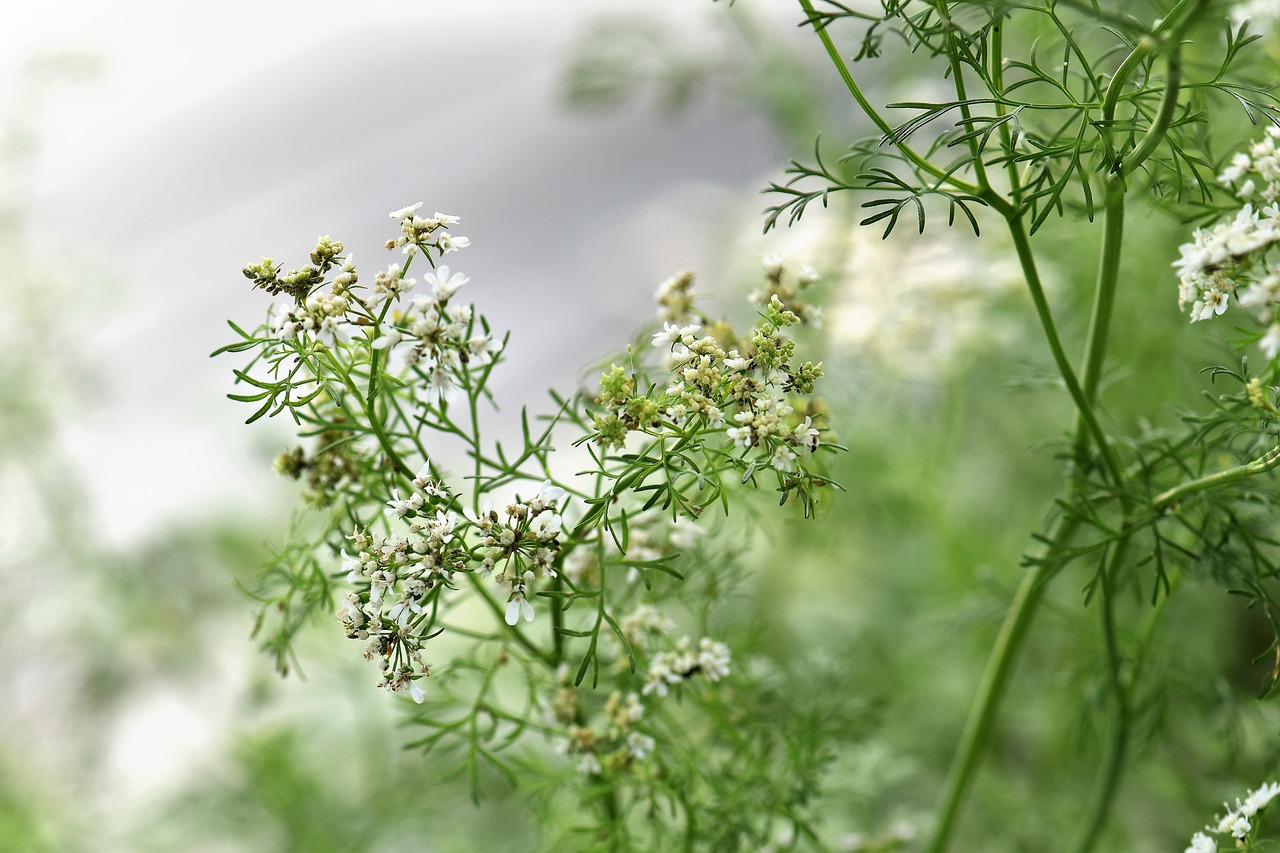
[641, 412]
[615, 387]
[610, 431]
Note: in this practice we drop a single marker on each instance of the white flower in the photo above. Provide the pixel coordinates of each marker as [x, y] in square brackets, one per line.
[1258, 800]
[545, 525]
[350, 612]
[408, 687]
[672, 334]
[805, 435]
[640, 746]
[1201, 843]
[772, 262]
[441, 385]
[517, 607]
[1270, 342]
[740, 436]
[783, 459]
[449, 243]
[547, 496]
[444, 285]
[405, 212]
[352, 566]
[389, 340]
[713, 658]
[1211, 304]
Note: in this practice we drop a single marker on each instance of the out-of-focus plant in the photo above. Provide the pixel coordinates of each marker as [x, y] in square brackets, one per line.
[1081, 108]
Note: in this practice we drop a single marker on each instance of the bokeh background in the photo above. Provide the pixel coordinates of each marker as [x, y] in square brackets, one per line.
[592, 148]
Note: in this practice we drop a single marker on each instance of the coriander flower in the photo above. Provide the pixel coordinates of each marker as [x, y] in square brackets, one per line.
[1201, 843]
[444, 285]
[517, 607]
[405, 212]
[1257, 800]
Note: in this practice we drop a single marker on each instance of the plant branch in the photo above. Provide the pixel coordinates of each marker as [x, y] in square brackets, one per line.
[1262, 464]
[909, 153]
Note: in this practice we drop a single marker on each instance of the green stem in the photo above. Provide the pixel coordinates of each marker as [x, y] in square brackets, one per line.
[966, 114]
[910, 154]
[1112, 765]
[512, 630]
[375, 423]
[1100, 321]
[1006, 137]
[1164, 116]
[995, 680]
[1260, 465]
[1084, 405]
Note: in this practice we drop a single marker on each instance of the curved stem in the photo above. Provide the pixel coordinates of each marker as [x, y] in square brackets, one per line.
[910, 154]
[1264, 463]
[995, 680]
[1163, 118]
[1084, 405]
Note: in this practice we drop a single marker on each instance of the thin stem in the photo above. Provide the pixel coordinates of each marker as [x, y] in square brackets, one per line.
[512, 630]
[1112, 766]
[995, 680]
[1262, 464]
[1006, 136]
[1084, 406]
[957, 77]
[375, 423]
[910, 154]
[1100, 322]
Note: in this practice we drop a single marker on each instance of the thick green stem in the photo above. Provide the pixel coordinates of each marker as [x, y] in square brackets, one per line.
[1100, 321]
[1266, 462]
[995, 680]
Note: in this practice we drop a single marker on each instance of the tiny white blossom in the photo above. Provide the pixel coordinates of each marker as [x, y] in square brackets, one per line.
[405, 212]
[444, 285]
[449, 243]
[640, 746]
[517, 607]
[1201, 843]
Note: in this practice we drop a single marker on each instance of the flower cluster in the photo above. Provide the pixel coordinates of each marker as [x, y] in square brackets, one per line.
[1237, 823]
[419, 233]
[396, 577]
[399, 577]
[439, 340]
[710, 659]
[334, 465]
[778, 283]
[740, 389]
[1258, 171]
[1230, 259]
[322, 316]
[615, 744]
[652, 536]
[521, 543]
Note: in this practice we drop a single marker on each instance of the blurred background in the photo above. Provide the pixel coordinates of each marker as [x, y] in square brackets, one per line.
[592, 148]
